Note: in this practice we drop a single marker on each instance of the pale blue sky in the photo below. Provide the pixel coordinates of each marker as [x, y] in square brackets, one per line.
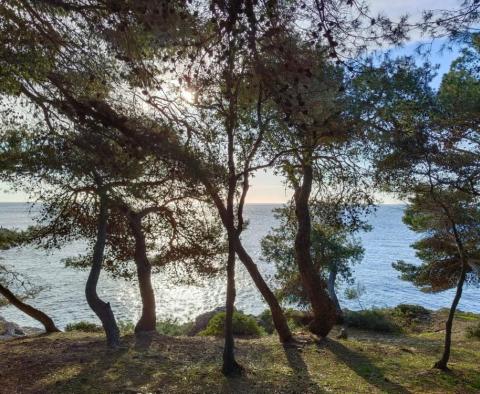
[268, 188]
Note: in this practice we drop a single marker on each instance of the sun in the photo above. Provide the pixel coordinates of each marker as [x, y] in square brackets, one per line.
[187, 95]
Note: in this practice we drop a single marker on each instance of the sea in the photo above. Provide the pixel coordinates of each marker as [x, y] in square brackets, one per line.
[64, 300]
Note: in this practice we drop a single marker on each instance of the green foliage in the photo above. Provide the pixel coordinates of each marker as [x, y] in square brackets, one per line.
[243, 325]
[372, 319]
[126, 327]
[473, 332]
[355, 293]
[295, 319]
[9, 238]
[333, 248]
[410, 311]
[83, 326]
[437, 215]
[173, 328]
[169, 327]
[265, 321]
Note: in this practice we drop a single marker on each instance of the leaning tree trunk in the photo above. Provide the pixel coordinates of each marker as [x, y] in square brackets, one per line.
[442, 363]
[230, 365]
[102, 309]
[332, 277]
[29, 310]
[278, 317]
[279, 320]
[324, 311]
[148, 319]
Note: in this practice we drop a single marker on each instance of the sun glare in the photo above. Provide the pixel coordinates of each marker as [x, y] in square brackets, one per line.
[187, 95]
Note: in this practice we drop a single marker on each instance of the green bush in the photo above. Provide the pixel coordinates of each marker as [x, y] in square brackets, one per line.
[410, 311]
[243, 325]
[295, 319]
[83, 326]
[372, 319]
[126, 327]
[474, 331]
[173, 328]
[266, 322]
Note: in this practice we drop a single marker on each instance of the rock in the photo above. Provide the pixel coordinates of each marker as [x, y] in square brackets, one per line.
[12, 329]
[9, 330]
[343, 334]
[201, 321]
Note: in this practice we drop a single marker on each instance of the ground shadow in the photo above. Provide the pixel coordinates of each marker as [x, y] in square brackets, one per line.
[362, 366]
[143, 341]
[293, 353]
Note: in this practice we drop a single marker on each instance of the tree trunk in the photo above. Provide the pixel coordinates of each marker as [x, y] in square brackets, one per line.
[29, 310]
[442, 363]
[230, 365]
[148, 319]
[102, 309]
[278, 316]
[324, 310]
[332, 277]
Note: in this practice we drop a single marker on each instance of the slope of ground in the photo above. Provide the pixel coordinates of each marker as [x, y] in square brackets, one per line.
[365, 363]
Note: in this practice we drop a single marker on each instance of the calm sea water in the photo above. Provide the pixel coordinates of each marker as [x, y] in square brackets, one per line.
[64, 297]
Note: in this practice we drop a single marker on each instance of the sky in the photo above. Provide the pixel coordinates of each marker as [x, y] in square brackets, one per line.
[268, 188]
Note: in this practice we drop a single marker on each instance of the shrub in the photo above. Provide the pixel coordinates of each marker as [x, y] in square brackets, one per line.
[371, 319]
[265, 321]
[173, 328]
[295, 319]
[168, 326]
[474, 331]
[411, 311]
[126, 327]
[83, 326]
[243, 325]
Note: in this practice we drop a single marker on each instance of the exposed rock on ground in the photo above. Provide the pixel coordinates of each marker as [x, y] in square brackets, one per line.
[10, 330]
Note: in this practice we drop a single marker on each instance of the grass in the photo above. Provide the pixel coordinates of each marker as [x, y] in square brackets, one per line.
[368, 362]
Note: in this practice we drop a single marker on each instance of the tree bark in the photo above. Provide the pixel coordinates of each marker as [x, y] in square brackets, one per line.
[29, 310]
[102, 309]
[332, 277]
[279, 320]
[148, 319]
[443, 362]
[323, 308]
[230, 365]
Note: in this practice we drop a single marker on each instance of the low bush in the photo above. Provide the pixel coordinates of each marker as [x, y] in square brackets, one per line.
[126, 327]
[411, 311]
[243, 325]
[473, 332]
[83, 326]
[372, 319]
[167, 326]
[265, 321]
[295, 319]
[173, 328]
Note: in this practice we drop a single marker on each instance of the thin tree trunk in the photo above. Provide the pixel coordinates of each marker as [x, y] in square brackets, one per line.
[230, 365]
[148, 319]
[102, 309]
[279, 320]
[29, 310]
[442, 363]
[332, 277]
[324, 310]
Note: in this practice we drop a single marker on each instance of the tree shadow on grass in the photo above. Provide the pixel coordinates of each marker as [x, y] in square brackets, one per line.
[362, 366]
[303, 382]
[143, 341]
[261, 376]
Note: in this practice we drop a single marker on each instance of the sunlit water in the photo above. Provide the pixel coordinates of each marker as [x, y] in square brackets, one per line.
[64, 297]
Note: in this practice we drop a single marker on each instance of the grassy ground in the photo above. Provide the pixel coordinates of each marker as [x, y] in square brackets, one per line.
[367, 362]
